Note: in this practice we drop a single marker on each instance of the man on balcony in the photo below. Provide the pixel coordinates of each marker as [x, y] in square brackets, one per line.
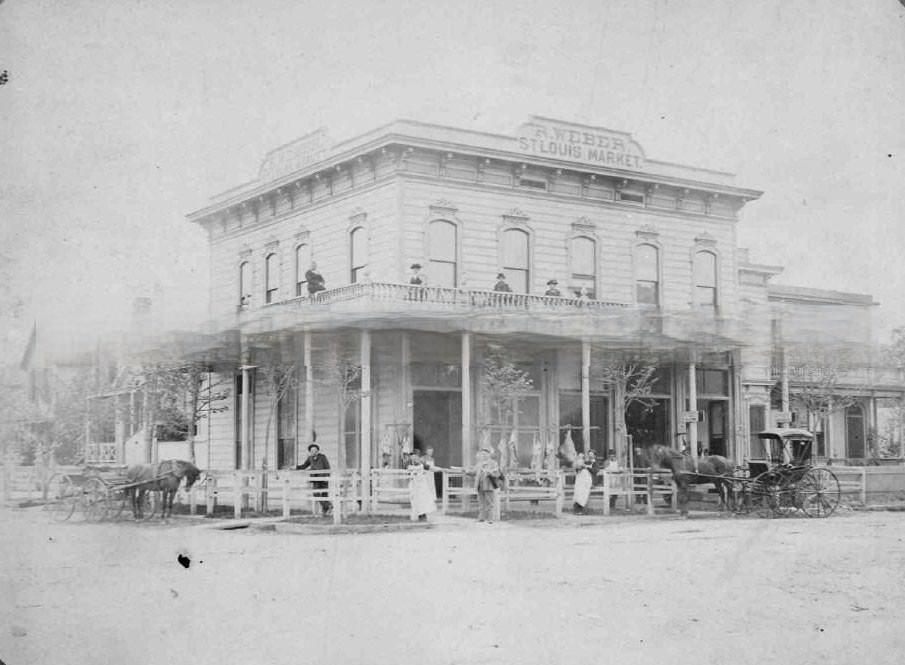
[418, 281]
[315, 279]
[552, 289]
[502, 286]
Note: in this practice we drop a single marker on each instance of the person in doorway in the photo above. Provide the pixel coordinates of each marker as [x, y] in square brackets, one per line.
[317, 462]
[552, 289]
[314, 279]
[488, 480]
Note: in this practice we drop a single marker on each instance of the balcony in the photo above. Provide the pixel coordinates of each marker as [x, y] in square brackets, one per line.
[377, 305]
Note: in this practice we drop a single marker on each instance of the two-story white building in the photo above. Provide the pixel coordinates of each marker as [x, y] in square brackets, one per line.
[653, 245]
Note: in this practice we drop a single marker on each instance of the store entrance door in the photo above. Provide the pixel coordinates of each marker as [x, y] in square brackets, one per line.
[438, 424]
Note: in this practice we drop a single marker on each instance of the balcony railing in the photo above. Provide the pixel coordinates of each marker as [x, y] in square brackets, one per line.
[435, 297]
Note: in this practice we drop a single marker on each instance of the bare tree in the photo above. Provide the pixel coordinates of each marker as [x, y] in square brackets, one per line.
[816, 380]
[504, 384]
[279, 377]
[339, 369]
[631, 380]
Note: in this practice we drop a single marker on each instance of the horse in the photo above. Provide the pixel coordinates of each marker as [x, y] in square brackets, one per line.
[686, 471]
[163, 477]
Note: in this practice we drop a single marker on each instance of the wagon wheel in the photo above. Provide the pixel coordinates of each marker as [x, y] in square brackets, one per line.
[94, 500]
[817, 493]
[62, 497]
[116, 502]
[770, 495]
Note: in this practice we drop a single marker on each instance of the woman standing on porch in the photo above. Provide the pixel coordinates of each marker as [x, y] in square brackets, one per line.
[421, 487]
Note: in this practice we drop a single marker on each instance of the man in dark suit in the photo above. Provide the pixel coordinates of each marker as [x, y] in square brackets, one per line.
[314, 279]
[317, 462]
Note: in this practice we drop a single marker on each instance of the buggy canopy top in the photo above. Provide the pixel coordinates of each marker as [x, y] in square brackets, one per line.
[786, 434]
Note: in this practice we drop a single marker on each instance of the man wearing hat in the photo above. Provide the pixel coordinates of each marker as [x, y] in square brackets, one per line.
[501, 284]
[317, 462]
[551, 288]
[488, 480]
[417, 279]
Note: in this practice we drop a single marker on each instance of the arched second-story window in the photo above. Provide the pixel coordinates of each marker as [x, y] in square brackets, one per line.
[302, 263]
[244, 283]
[514, 262]
[271, 278]
[442, 250]
[358, 253]
[647, 274]
[705, 292]
[583, 257]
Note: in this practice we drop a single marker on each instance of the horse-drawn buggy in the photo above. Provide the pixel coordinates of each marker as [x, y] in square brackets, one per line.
[102, 492]
[781, 482]
[784, 481]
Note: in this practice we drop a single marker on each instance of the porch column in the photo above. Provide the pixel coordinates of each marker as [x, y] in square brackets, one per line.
[244, 410]
[306, 438]
[365, 453]
[466, 398]
[408, 413]
[785, 383]
[585, 395]
[693, 406]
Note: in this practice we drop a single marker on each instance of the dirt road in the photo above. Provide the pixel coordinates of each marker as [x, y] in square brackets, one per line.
[624, 589]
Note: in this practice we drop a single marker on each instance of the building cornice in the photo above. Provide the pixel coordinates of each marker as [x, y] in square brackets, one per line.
[413, 135]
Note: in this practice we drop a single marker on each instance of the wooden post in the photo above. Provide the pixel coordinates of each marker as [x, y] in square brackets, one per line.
[332, 496]
[237, 495]
[244, 410]
[650, 493]
[466, 399]
[693, 406]
[210, 495]
[863, 493]
[286, 486]
[309, 394]
[444, 500]
[585, 396]
[365, 446]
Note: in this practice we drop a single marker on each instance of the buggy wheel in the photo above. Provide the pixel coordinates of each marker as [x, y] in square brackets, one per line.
[770, 495]
[94, 499]
[817, 493]
[62, 498]
[116, 503]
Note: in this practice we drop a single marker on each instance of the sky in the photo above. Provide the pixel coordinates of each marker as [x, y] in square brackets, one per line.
[119, 119]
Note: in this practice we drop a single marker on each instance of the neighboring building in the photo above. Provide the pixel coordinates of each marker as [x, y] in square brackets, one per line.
[653, 246]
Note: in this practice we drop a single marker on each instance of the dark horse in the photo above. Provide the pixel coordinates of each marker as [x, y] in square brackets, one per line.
[163, 477]
[686, 471]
